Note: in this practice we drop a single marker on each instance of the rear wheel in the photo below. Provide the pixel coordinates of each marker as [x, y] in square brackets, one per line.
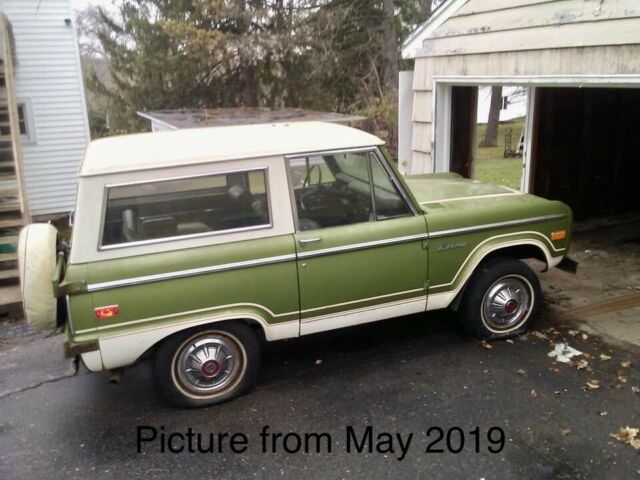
[208, 365]
[502, 299]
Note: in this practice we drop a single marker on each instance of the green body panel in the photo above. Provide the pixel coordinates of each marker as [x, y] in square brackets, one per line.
[451, 202]
[268, 291]
[80, 305]
[349, 280]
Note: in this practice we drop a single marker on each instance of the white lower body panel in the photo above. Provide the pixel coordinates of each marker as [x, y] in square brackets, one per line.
[363, 315]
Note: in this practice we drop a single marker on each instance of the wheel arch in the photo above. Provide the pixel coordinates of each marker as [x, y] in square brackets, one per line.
[521, 249]
[125, 349]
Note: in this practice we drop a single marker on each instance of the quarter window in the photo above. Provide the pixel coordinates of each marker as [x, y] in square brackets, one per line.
[186, 207]
[343, 189]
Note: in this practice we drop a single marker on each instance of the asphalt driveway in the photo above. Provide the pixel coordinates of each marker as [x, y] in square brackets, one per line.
[399, 377]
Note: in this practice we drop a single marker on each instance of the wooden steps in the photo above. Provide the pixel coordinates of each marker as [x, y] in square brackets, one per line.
[12, 206]
[9, 240]
[9, 207]
[10, 274]
[8, 257]
[11, 223]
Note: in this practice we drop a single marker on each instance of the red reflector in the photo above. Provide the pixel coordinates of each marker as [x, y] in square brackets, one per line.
[107, 312]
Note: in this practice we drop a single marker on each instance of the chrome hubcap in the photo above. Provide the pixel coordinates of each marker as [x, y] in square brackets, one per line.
[507, 303]
[209, 363]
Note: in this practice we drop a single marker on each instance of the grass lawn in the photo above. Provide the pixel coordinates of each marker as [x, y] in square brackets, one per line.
[491, 166]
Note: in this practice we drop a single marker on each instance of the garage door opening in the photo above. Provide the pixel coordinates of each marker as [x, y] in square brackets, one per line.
[582, 145]
[585, 149]
[488, 129]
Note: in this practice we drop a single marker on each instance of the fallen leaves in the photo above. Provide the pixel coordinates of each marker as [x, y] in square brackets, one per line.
[582, 364]
[565, 431]
[628, 436]
[626, 364]
[319, 362]
[509, 341]
[521, 371]
[593, 384]
[485, 344]
[604, 413]
[534, 394]
[604, 357]
[539, 335]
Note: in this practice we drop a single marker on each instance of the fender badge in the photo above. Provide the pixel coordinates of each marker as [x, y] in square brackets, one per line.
[444, 246]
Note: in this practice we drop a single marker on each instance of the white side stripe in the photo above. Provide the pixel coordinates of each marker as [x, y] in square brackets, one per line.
[364, 245]
[501, 245]
[188, 273]
[190, 312]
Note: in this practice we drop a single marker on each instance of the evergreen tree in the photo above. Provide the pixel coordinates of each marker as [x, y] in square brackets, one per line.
[331, 55]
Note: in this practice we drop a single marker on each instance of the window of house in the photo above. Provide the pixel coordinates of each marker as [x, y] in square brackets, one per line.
[343, 189]
[22, 120]
[25, 125]
[186, 207]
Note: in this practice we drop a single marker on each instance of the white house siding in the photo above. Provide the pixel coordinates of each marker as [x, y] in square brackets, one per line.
[520, 38]
[516, 107]
[49, 78]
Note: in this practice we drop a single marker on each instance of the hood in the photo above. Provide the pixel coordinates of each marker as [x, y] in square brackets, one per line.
[443, 187]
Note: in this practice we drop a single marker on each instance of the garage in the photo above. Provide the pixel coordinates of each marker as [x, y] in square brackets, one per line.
[573, 68]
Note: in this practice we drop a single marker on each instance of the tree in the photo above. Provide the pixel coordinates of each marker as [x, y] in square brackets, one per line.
[332, 55]
[491, 134]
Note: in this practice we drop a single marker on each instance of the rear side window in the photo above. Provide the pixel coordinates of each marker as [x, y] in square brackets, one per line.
[185, 207]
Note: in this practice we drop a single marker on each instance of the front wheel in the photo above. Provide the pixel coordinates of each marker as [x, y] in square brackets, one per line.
[502, 299]
[208, 365]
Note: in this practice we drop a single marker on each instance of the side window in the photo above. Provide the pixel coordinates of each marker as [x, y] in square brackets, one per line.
[184, 207]
[343, 189]
[325, 195]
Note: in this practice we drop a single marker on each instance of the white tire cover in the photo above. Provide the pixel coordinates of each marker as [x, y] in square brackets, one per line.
[37, 262]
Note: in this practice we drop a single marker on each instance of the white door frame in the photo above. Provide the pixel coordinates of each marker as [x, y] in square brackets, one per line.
[525, 179]
[441, 136]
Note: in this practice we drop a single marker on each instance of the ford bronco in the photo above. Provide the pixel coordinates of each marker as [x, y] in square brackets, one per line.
[192, 246]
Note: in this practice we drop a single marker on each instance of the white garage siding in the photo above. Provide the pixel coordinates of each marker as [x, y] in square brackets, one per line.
[48, 79]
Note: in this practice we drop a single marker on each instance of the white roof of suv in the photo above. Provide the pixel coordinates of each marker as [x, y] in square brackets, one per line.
[145, 151]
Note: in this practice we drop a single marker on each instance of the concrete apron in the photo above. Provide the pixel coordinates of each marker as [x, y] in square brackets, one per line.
[603, 298]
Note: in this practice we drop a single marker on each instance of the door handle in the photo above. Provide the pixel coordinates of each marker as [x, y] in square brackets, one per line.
[304, 241]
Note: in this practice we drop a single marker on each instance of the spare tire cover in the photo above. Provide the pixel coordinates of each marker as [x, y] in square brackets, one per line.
[37, 262]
